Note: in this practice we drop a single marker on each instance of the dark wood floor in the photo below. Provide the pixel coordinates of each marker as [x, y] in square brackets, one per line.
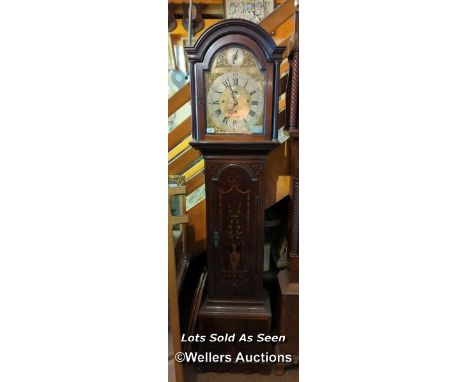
[291, 375]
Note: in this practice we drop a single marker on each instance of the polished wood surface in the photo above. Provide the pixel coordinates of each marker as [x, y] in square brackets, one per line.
[235, 214]
[236, 320]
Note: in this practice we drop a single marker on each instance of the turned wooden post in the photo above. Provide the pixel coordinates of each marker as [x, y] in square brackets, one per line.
[292, 124]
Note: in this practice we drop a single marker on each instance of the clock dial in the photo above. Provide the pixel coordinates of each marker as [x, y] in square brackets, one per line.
[235, 94]
[235, 56]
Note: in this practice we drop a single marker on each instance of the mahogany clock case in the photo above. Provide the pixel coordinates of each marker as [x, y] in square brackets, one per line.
[235, 178]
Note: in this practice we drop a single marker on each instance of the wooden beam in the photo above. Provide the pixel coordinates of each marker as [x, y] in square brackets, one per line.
[210, 8]
[194, 169]
[179, 99]
[278, 16]
[180, 32]
[195, 181]
[284, 30]
[184, 160]
[179, 190]
[179, 148]
[212, 13]
[179, 132]
[180, 219]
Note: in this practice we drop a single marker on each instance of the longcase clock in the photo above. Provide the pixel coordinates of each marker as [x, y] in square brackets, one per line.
[234, 69]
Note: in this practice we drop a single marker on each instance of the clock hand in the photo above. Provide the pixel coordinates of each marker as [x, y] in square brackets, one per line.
[233, 95]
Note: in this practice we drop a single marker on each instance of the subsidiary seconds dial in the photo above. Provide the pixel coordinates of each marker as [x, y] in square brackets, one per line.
[235, 104]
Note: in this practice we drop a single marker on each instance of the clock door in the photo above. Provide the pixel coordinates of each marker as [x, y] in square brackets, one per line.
[233, 218]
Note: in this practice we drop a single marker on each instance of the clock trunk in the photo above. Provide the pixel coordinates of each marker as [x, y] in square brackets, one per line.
[236, 302]
[235, 218]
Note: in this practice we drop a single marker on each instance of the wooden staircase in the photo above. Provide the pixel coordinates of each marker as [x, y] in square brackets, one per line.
[185, 160]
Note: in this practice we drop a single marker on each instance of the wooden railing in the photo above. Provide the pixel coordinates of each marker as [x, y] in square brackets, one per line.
[185, 160]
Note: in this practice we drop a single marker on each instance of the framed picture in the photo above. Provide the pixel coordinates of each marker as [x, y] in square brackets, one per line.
[252, 10]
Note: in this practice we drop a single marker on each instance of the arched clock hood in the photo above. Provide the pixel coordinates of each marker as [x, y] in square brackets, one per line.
[246, 28]
[254, 38]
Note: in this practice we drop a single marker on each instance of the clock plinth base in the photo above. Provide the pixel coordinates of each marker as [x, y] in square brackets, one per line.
[238, 319]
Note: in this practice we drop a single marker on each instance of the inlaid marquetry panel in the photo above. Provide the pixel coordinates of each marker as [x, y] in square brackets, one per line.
[233, 215]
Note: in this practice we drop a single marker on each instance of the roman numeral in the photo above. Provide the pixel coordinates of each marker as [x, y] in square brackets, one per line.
[253, 92]
[236, 81]
[252, 113]
[246, 82]
[225, 120]
[217, 112]
[234, 123]
[227, 83]
[254, 102]
[215, 102]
